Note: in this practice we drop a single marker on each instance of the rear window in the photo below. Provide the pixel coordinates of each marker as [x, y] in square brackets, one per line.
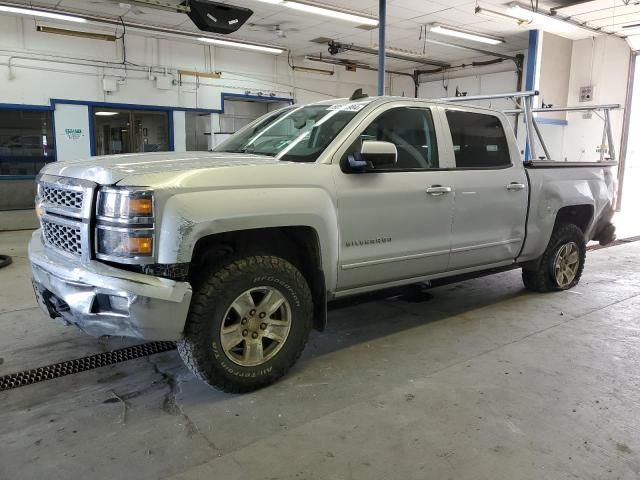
[479, 140]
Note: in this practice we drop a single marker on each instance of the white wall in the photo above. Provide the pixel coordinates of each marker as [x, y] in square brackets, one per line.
[37, 67]
[603, 63]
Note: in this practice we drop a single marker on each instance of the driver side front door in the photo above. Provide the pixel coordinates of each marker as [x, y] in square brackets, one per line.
[395, 223]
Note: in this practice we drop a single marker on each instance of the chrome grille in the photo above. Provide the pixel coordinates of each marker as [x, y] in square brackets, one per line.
[65, 205]
[61, 197]
[64, 237]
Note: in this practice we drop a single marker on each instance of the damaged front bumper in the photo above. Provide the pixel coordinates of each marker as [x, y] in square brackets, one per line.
[103, 300]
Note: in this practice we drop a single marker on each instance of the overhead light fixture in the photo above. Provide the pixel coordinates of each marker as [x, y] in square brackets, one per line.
[321, 71]
[548, 22]
[247, 46]
[107, 37]
[325, 10]
[106, 114]
[41, 13]
[495, 15]
[331, 12]
[465, 34]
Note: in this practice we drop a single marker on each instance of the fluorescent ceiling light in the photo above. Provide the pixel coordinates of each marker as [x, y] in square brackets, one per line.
[321, 71]
[495, 15]
[547, 22]
[319, 9]
[107, 37]
[106, 114]
[333, 13]
[41, 13]
[466, 34]
[248, 46]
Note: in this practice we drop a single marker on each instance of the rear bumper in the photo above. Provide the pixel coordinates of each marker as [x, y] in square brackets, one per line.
[104, 300]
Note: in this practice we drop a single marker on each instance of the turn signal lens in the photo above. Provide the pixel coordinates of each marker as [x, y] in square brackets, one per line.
[139, 245]
[140, 207]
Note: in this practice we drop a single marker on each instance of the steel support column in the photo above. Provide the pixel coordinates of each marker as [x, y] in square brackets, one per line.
[382, 19]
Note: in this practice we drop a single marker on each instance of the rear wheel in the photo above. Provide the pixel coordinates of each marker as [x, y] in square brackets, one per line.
[248, 323]
[561, 264]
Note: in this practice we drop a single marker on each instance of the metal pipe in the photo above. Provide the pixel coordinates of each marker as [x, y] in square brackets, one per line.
[592, 108]
[382, 21]
[491, 96]
[530, 152]
[612, 148]
[544, 145]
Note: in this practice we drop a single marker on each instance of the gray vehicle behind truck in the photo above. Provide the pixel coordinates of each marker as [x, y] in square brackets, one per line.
[235, 254]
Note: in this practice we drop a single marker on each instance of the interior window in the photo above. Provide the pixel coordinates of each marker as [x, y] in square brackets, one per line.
[478, 140]
[412, 132]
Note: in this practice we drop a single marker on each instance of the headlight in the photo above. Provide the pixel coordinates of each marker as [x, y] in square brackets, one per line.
[124, 242]
[131, 206]
[125, 225]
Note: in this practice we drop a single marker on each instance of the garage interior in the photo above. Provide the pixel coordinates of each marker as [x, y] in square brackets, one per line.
[467, 380]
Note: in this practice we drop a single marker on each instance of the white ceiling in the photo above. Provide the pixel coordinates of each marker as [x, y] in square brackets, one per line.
[404, 19]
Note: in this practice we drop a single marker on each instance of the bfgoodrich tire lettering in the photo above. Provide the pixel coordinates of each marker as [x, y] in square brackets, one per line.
[202, 349]
[565, 238]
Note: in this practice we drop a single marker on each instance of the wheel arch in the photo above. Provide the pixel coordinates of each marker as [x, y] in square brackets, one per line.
[299, 244]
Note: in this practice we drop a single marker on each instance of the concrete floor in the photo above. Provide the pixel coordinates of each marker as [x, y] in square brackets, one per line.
[482, 381]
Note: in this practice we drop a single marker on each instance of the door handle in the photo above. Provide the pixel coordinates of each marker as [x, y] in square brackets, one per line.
[516, 186]
[436, 190]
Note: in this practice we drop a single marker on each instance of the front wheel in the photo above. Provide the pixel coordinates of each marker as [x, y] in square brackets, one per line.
[561, 264]
[248, 323]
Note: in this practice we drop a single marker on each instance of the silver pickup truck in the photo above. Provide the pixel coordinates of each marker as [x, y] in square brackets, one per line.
[236, 253]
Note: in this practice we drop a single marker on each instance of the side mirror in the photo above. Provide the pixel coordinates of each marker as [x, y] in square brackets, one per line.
[379, 154]
[373, 154]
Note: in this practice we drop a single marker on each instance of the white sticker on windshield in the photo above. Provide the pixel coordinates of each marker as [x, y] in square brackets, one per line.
[349, 107]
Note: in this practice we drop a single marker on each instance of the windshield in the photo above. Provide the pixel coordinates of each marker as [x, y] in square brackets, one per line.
[294, 134]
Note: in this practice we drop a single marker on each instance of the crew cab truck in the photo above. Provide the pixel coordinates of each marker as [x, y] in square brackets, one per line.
[235, 253]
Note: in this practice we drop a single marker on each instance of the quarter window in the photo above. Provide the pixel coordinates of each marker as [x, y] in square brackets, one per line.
[479, 140]
[412, 132]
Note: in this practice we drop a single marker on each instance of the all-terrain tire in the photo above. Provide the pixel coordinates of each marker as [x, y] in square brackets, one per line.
[543, 279]
[201, 348]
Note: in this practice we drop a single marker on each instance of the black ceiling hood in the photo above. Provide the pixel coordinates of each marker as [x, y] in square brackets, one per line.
[217, 17]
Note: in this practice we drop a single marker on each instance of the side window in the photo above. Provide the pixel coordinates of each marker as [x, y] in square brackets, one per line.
[412, 132]
[478, 140]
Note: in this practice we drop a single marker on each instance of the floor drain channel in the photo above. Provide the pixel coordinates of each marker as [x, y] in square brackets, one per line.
[49, 372]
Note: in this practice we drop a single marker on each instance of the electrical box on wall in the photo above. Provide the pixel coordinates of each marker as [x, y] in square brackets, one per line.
[110, 84]
[164, 82]
[586, 94]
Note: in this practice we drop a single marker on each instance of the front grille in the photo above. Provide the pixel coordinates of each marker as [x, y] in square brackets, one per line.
[64, 237]
[61, 197]
[65, 205]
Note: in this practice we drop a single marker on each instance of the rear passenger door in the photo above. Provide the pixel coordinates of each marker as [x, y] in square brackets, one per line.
[490, 191]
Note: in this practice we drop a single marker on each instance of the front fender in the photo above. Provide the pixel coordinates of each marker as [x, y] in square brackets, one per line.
[188, 217]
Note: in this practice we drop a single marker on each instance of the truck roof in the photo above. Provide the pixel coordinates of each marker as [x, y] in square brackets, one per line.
[391, 98]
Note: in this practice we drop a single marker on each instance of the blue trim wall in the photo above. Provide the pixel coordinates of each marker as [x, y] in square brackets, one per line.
[127, 106]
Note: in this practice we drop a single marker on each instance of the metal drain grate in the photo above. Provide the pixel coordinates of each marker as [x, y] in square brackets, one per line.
[49, 372]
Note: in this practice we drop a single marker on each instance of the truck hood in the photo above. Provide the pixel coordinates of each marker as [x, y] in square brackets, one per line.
[109, 170]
